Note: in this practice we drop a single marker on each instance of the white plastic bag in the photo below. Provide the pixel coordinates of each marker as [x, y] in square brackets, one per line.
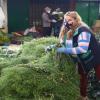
[2, 18]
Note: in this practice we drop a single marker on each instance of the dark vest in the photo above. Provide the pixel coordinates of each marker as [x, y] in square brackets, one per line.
[91, 58]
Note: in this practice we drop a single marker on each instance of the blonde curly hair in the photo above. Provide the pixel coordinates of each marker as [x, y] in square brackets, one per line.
[75, 16]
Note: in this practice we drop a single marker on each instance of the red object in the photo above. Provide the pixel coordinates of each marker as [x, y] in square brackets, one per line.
[19, 33]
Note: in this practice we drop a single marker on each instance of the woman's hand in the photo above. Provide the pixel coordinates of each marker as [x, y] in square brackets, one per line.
[61, 50]
[61, 41]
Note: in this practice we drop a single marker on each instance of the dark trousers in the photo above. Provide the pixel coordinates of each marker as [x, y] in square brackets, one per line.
[84, 79]
[47, 31]
[56, 26]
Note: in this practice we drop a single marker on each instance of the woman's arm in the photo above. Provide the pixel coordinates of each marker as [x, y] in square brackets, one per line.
[83, 44]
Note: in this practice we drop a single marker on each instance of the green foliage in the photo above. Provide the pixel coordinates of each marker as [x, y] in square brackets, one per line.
[38, 75]
[3, 37]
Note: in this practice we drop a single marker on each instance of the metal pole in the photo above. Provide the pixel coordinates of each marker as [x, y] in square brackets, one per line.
[1, 3]
[99, 7]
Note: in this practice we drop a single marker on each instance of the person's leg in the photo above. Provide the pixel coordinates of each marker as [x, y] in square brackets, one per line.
[83, 82]
[56, 30]
[97, 70]
[49, 31]
[44, 31]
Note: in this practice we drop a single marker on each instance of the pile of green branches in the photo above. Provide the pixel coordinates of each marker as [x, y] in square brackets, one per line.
[3, 38]
[38, 75]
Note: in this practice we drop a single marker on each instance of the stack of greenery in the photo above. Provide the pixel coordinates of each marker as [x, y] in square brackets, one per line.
[3, 38]
[35, 74]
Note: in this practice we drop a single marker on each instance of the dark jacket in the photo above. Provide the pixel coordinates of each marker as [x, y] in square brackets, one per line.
[91, 58]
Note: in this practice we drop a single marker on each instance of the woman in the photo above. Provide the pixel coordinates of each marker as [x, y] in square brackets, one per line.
[83, 45]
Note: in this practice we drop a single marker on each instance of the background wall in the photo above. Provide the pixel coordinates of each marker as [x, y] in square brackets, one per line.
[23, 13]
[89, 10]
[18, 15]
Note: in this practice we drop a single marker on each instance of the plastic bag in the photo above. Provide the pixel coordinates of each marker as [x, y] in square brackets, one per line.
[2, 18]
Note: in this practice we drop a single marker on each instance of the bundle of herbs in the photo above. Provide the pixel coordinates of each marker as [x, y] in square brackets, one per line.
[38, 75]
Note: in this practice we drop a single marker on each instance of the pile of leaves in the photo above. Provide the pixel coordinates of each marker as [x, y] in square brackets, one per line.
[38, 75]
